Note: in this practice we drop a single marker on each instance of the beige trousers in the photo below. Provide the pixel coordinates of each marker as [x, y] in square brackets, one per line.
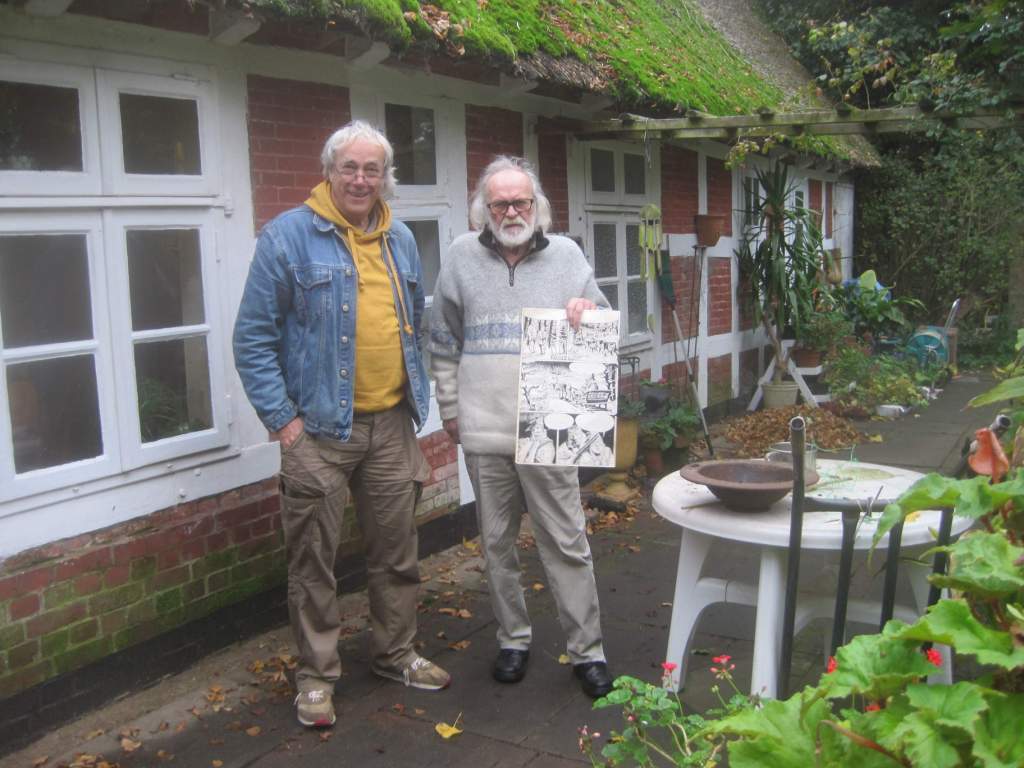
[385, 469]
[551, 495]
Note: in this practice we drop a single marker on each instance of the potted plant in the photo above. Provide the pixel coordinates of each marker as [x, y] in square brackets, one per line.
[824, 332]
[779, 257]
[673, 429]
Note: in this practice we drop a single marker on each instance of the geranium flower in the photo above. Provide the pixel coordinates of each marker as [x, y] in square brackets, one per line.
[874, 706]
[723, 659]
[669, 666]
[934, 657]
[832, 665]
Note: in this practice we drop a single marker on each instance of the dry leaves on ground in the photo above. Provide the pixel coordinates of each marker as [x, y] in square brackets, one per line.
[755, 433]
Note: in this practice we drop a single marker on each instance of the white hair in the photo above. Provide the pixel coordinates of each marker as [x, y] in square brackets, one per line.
[479, 216]
[360, 129]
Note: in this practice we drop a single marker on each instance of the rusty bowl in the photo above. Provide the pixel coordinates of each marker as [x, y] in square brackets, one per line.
[746, 484]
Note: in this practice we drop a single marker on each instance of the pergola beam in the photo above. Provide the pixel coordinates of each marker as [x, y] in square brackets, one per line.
[766, 123]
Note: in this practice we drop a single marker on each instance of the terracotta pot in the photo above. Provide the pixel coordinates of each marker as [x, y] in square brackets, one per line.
[806, 358]
[654, 462]
[709, 228]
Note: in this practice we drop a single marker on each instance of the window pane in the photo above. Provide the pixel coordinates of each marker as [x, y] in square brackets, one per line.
[429, 245]
[55, 414]
[44, 289]
[39, 128]
[602, 170]
[635, 170]
[161, 135]
[411, 132]
[604, 251]
[611, 292]
[634, 254]
[173, 381]
[165, 276]
[637, 292]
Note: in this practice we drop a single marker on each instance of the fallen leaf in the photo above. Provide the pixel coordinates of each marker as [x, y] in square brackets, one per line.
[441, 635]
[216, 763]
[666, 605]
[446, 731]
[464, 613]
[254, 731]
[461, 645]
[564, 659]
[537, 586]
[163, 754]
[447, 611]
[420, 711]
[129, 745]
[128, 733]
[874, 438]
[179, 727]
[326, 735]
[399, 708]
[40, 761]
[93, 734]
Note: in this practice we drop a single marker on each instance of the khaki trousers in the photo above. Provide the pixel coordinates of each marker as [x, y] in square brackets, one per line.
[385, 469]
[551, 495]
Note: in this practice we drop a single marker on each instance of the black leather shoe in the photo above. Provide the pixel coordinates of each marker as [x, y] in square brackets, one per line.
[510, 666]
[595, 680]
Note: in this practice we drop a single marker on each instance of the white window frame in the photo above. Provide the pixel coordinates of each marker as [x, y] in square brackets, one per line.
[84, 182]
[619, 197]
[12, 484]
[622, 278]
[136, 453]
[110, 84]
[107, 199]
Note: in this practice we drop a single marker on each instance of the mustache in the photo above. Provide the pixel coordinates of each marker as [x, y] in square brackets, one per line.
[517, 221]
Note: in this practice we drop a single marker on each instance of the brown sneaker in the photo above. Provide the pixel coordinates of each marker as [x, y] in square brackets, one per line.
[420, 674]
[315, 708]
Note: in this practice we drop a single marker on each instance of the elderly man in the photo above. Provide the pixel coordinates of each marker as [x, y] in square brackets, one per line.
[487, 279]
[326, 348]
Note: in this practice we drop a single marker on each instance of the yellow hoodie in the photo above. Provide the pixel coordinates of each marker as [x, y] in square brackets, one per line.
[379, 364]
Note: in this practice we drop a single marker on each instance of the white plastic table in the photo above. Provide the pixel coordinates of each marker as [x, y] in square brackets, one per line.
[703, 518]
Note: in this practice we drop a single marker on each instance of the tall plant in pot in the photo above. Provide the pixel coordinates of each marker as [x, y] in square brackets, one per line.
[779, 257]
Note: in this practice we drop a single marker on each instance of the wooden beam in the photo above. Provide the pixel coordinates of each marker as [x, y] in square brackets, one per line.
[46, 7]
[230, 26]
[368, 56]
[513, 85]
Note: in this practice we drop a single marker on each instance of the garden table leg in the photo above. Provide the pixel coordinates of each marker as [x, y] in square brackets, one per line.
[688, 602]
[771, 596]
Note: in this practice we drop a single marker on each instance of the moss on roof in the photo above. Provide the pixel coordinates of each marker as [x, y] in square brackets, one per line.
[652, 56]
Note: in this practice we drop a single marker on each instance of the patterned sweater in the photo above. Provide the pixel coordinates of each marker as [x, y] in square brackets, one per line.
[475, 328]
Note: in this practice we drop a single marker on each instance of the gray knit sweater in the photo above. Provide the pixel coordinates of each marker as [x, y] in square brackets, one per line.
[475, 328]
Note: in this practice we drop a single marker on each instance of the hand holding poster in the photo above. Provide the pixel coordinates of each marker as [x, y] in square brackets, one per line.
[568, 389]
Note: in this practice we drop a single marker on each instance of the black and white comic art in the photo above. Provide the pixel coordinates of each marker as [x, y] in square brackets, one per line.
[568, 389]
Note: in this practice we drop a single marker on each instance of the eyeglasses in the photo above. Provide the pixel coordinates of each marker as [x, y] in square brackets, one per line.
[348, 172]
[500, 207]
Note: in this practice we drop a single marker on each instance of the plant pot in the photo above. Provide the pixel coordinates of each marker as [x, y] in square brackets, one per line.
[626, 434]
[834, 265]
[806, 358]
[779, 395]
[654, 462]
[709, 228]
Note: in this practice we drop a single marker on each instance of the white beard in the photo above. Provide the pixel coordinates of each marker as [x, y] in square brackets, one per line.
[513, 239]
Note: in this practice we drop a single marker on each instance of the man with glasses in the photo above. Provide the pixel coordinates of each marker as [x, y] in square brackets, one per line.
[486, 280]
[326, 346]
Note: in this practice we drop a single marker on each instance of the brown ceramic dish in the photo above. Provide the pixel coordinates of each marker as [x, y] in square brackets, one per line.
[745, 484]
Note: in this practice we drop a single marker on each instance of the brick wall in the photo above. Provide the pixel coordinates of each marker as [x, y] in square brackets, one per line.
[73, 601]
[684, 277]
[719, 379]
[679, 190]
[814, 194]
[490, 131]
[719, 295]
[554, 177]
[720, 192]
[827, 230]
[288, 123]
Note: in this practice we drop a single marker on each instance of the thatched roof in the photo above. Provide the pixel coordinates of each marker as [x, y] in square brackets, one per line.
[653, 57]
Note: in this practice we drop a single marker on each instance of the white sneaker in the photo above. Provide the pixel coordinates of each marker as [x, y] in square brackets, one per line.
[420, 674]
[315, 708]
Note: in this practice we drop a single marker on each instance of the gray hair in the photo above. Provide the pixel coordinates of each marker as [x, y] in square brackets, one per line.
[360, 129]
[479, 216]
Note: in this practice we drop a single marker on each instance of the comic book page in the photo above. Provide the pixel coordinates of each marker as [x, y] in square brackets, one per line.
[568, 389]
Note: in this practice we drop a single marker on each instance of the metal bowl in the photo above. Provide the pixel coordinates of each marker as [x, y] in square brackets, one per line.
[746, 484]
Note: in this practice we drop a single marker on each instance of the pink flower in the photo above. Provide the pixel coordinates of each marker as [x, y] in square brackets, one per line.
[934, 657]
[669, 666]
[832, 666]
[723, 659]
[874, 706]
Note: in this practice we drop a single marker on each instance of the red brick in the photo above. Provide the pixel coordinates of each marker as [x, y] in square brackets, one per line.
[679, 189]
[88, 583]
[720, 192]
[90, 561]
[240, 533]
[270, 505]
[216, 541]
[261, 527]
[193, 549]
[51, 620]
[490, 131]
[172, 578]
[116, 576]
[22, 607]
[169, 558]
[113, 621]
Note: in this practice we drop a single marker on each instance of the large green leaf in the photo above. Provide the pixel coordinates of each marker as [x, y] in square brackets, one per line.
[876, 666]
[956, 707]
[984, 564]
[924, 744]
[781, 734]
[1009, 389]
[951, 622]
[998, 742]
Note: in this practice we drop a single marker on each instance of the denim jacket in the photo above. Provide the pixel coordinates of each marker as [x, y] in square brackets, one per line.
[294, 337]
